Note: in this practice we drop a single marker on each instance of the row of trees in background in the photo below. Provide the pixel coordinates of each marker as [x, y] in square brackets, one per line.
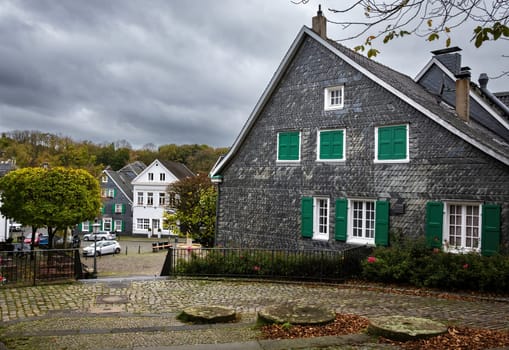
[34, 148]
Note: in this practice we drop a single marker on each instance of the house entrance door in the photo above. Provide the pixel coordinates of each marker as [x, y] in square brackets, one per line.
[156, 227]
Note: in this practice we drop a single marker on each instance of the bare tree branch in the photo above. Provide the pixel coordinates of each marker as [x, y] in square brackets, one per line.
[430, 19]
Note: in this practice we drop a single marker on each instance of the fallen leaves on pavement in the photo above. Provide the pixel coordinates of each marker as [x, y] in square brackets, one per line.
[457, 338]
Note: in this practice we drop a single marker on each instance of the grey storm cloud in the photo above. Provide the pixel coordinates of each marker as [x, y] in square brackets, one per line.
[155, 71]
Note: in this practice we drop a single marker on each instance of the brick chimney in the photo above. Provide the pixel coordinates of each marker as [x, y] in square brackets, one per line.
[320, 23]
[462, 94]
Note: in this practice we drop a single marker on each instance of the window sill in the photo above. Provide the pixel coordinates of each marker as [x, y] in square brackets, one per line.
[322, 239]
[342, 161]
[361, 241]
[288, 162]
[391, 161]
[333, 108]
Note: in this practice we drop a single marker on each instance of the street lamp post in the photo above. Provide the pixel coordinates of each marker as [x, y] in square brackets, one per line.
[95, 230]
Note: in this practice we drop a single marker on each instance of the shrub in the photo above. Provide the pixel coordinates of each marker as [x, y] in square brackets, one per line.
[412, 263]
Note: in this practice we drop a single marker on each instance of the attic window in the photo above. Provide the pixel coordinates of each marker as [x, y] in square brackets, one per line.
[104, 179]
[334, 97]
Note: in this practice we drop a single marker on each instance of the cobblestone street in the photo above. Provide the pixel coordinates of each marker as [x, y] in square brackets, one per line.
[129, 307]
[122, 311]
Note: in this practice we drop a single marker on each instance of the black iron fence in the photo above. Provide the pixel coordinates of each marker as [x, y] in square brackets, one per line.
[313, 265]
[21, 268]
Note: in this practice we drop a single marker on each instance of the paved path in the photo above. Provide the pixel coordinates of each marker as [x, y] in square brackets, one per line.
[137, 313]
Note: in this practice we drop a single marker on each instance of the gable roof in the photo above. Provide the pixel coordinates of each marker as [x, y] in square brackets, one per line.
[179, 170]
[494, 119]
[395, 82]
[123, 177]
[132, 170]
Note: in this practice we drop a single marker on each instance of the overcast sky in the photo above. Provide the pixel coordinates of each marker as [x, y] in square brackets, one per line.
[161, 72]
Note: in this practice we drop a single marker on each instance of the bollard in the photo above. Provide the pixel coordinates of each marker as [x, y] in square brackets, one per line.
[139, 249]
[126, 250]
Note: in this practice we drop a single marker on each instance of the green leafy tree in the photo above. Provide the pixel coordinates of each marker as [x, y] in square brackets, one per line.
[432, 20]
[195, 208]
[54, 198]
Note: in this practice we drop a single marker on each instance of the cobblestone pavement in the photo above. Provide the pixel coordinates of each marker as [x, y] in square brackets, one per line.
[122, 312]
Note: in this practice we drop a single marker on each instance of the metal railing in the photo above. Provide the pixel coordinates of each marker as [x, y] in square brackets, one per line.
[312, 265]
[21, 268]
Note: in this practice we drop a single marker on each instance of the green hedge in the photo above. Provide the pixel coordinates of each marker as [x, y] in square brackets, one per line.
[415, 264]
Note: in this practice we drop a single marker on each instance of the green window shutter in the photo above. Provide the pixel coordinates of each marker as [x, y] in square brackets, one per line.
[331, 144]
[114, 192]
[288, 145]
[392, 142]
[399, 144]
[434, 224]
[123, 209]
[490, 231]
[341, 219]
[382, 223]
[122, 226]
[307, 217]
[103, 209]
[80, 227]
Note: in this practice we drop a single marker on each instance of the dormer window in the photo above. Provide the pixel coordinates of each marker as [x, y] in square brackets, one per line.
[334, 97]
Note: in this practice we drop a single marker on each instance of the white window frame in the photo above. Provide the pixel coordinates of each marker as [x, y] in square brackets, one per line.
[150, 198]
[107, 222]
[328, 106]
[140, 198]
[142, 223]
[172, 199]
[104, 192]
[162, 199]
[118, 208]
[343, 156]
[117, 224]
[350, 229]
[150, 176]
[111, 192]
[463, 227]
[104, 179]
[287, 160]
[407, 159]
[162, 177]
[85, 226]
[318, 226]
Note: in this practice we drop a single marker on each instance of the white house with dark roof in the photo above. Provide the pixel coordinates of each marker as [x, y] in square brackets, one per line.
[151, 198]
[341, 151]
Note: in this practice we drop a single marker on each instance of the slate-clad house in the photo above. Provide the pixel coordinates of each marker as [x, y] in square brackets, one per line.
[117, 200]
[341, 150]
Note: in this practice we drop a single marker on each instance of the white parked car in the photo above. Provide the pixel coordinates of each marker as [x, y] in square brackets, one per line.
[99, 236]
[103, 247]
